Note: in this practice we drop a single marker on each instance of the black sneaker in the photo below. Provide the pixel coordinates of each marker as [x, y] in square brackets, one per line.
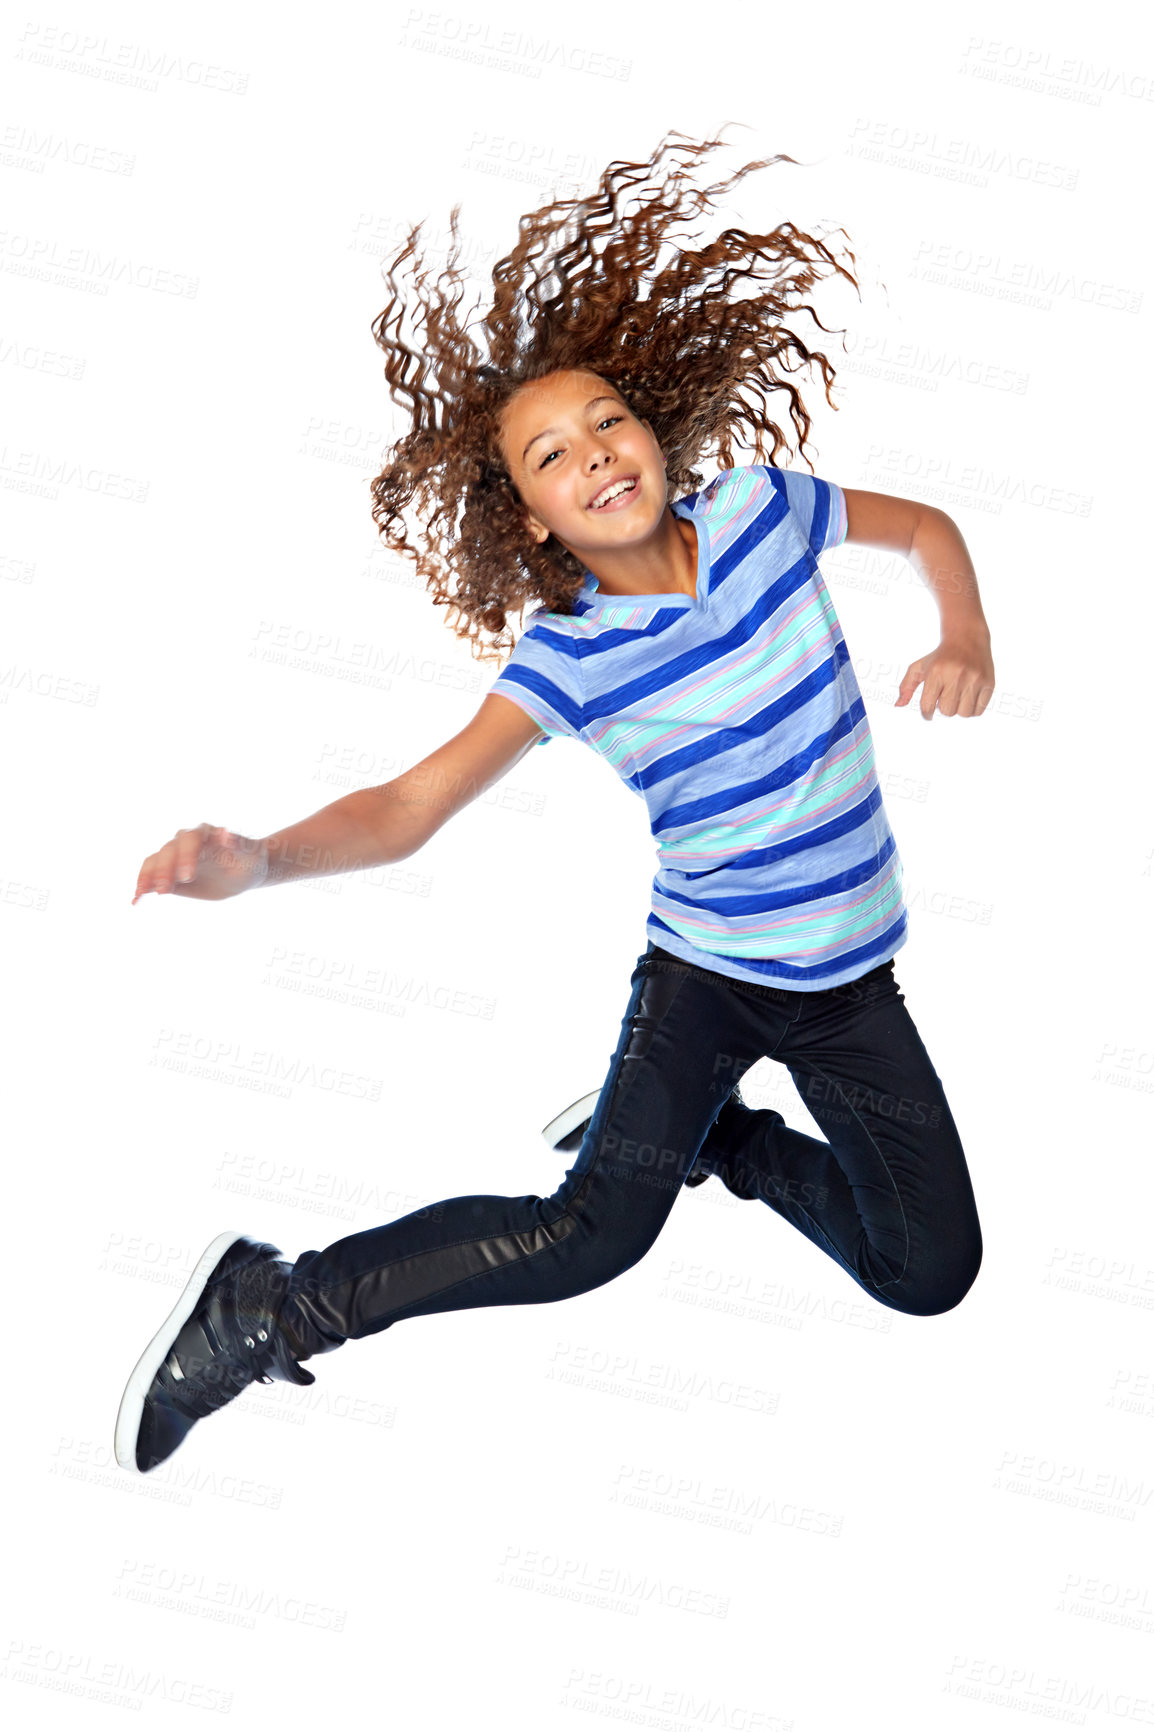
[740, 1180]
[221, 1336]
[567, 1132]
[703, 1169]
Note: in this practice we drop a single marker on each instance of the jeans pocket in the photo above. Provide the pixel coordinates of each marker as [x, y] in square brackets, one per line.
[654, 953]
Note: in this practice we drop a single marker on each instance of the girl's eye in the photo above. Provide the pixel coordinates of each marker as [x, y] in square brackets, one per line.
[602, 423]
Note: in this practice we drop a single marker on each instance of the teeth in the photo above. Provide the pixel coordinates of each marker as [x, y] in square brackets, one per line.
[621, 487]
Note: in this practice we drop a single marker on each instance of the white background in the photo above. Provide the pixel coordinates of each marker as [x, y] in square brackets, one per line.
[726, 1489]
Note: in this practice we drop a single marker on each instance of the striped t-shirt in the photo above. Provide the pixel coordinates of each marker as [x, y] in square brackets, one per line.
[736, 715]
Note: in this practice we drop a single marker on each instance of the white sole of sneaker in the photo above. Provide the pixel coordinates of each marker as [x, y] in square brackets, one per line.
[132, 1401]
[567, 1121]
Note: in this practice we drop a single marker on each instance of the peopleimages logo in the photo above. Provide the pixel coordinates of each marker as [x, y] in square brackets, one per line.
[119, 62]
[116, 1683]
[223, 1060]
[471, 38]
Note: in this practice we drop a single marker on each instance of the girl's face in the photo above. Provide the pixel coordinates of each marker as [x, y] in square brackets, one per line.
[567, 437]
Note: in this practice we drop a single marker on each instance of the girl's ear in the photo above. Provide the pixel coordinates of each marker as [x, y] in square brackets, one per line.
[533, 529]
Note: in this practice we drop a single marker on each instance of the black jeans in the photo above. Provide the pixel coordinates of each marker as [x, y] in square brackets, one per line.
[887, 1196]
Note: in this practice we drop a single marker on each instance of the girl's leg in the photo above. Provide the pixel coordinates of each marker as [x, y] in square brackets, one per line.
[888, 1195]
[660, 1096]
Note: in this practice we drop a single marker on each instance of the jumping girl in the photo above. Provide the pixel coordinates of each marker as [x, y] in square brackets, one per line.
[684, 632]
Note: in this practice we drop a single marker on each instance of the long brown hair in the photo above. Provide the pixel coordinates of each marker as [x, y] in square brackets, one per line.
[674, 342]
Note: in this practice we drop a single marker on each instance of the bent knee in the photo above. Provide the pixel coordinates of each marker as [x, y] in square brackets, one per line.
[939, 1290]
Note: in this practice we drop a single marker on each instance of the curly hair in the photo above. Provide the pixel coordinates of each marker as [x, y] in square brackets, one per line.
[674, 342]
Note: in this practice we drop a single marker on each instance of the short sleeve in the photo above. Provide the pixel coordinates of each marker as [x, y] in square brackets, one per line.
[543, 675]
[818, 507]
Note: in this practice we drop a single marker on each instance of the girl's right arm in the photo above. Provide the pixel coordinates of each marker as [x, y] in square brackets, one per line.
[370, 827]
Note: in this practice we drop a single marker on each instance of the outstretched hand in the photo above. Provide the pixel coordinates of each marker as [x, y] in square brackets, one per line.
[957, 678]
[208, 863]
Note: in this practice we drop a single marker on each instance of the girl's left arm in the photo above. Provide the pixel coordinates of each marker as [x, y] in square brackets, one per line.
[957, 678]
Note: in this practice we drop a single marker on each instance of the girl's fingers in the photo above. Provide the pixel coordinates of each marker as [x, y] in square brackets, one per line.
[147, 878]
[168, 865]
[177, 862]
[188, 852]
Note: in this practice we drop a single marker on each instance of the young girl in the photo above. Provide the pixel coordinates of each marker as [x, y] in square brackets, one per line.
[685, 633]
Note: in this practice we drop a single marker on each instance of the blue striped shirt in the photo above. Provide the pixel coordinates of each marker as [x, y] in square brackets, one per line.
[737, 717]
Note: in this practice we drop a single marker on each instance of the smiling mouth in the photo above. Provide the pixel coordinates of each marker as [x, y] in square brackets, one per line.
[627, 485]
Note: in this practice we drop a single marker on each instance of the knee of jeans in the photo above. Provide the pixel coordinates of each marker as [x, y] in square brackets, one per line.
[945, 1287]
